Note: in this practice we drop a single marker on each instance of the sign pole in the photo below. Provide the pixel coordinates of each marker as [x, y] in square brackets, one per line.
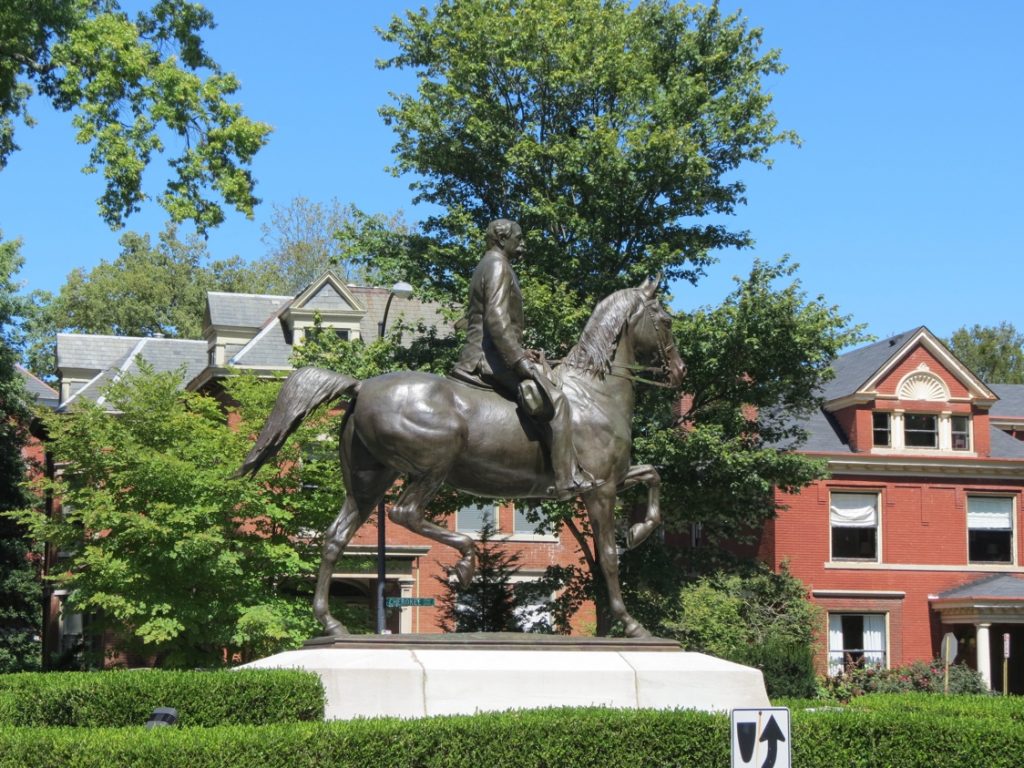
[1006, 663]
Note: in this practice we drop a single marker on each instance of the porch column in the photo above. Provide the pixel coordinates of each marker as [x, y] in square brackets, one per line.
[984, 653]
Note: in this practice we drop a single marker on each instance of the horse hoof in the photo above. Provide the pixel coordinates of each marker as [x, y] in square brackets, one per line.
[465, 570]
[637, 630]
[334, 628]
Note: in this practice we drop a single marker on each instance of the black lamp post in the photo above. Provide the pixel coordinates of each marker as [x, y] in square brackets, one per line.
[403, 291]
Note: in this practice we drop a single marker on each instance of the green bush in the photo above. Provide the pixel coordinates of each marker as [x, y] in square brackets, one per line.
[919, 676]
[574, 738]
[123, 698]
[787, 666]
[1008, 708]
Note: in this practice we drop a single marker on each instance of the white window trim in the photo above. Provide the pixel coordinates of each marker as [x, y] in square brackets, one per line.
[878, 526]
[943, 426]
[1013, 530]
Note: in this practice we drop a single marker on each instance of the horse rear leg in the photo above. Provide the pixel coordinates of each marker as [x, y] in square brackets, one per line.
[647, 474]
[409, 511]
[357, 508]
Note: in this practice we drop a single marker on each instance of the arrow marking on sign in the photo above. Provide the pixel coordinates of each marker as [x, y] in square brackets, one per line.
[773, 735]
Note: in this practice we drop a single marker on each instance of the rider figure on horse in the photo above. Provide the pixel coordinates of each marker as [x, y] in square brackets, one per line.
[494, 355]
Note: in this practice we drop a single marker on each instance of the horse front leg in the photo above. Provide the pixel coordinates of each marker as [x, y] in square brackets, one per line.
[601, 508]
[647, 474]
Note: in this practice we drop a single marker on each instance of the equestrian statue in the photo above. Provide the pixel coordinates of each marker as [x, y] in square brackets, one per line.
[503, 424]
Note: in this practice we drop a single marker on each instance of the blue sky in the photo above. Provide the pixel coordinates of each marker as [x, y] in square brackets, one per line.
[902, 205]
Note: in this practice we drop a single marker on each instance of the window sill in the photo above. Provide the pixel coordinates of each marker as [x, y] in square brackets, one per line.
[854, 565]
[542, 538]
[878, 451]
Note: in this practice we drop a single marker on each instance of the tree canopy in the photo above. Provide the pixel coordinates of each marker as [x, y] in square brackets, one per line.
[609, 130]
[131, 85]
[995, 353]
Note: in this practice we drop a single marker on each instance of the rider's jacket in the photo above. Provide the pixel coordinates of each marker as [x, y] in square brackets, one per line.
[494, 335]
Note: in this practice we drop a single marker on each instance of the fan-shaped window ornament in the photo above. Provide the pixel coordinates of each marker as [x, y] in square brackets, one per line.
[921, 385]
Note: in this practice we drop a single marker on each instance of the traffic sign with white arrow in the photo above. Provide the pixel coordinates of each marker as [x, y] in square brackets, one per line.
[760, 738]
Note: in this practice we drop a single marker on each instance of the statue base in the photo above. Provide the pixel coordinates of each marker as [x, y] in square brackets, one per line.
[426, 675]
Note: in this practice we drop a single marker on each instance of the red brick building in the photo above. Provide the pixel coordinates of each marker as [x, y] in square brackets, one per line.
[917, 531]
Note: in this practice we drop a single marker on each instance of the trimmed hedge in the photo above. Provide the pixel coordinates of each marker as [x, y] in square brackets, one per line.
[1006, 708]
[125, 698]
[567, 738]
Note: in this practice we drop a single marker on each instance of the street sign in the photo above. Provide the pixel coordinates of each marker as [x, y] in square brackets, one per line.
[409, 602]
[1006, 645]
[949, 647]
[760, 738]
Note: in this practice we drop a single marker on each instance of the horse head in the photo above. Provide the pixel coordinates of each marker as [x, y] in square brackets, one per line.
[651, 328]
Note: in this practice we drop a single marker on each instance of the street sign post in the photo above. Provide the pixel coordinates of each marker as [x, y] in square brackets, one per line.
[1006, 663]
[948, 653]
[760, 738]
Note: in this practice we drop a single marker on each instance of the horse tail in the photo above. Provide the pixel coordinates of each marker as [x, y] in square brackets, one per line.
[302, 392]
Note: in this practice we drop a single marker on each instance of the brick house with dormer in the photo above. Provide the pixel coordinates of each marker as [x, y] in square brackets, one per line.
[917, 530]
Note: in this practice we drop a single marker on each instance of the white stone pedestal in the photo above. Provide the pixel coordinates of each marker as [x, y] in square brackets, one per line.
[425, 675]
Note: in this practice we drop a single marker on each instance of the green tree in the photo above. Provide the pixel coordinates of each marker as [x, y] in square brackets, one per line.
[20, 594]
[132, 84]
[612, 145]
[147, 290]
[172, 553]
[489, 603]
[607, 129]
[755, 365]
[995, 353]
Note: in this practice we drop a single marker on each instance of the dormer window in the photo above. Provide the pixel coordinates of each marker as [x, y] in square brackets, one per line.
[896, 431]
[921, 430]
[960, 432]
[881, 432]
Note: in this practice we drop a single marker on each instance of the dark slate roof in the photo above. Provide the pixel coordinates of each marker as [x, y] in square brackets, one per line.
[824, 436]
[1010, 402]
[92, 351]
[1004, 446]
[856, 367]
[411, 311]
[270, 348]
[1001, 586]
[242, 310]
[162, 354]
[40, 392]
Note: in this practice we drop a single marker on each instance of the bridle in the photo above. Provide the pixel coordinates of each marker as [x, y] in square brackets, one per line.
[666, 347]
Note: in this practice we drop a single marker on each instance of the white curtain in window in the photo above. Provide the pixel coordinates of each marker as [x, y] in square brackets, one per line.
[854, 510]
[835, 643]
[990, 513]
[874, 638]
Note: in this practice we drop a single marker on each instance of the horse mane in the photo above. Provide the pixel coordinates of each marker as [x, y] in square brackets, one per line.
[596, 347]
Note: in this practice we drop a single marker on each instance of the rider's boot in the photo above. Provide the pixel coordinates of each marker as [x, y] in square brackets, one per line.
[571, 479]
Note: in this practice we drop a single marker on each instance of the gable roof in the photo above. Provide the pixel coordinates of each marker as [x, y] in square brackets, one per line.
[858, 373]
[1011, 401]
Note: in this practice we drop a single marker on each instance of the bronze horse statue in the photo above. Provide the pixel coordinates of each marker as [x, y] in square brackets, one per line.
[432, 430]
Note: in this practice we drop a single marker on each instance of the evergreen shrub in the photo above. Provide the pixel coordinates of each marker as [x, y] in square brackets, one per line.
[125, 698]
